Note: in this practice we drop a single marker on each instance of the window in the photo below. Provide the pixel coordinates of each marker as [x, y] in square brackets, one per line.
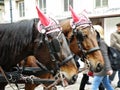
[42, 5]
[67, 3]
[101, 3]
[0, 14]
[21, 8]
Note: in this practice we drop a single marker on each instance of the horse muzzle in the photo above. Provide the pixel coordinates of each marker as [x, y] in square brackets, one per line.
[97, 68]
[65, 82]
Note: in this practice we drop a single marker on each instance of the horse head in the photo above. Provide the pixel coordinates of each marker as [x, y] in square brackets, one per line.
[83, 40]
[52, 49]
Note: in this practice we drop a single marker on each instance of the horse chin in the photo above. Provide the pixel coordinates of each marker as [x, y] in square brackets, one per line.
[65, 82]
[69, 80]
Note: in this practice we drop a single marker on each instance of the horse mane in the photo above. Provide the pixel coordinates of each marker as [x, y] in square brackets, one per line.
[14, 38]
[65, 24]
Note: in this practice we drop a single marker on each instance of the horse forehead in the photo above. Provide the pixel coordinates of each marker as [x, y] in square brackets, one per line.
[65, 24]
[88, 30]
[84, 30]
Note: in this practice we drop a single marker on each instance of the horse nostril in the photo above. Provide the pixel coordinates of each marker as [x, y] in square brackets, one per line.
[56, 78]
[74, 78]
[99, 67]
[63, 75]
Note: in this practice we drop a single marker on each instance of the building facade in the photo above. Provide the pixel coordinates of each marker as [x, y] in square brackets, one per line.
[1, 10]
[103, 12]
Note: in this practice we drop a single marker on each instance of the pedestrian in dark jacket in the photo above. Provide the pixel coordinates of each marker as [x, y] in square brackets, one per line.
[107, 70]
[115, 42]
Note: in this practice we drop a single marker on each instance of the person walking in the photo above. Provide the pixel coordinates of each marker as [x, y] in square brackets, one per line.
[85, 78]
[102, 76]
[100, 30]
[115, 42]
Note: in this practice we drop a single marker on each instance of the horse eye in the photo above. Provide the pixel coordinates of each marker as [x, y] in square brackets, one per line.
[49, 35]
[85, 36]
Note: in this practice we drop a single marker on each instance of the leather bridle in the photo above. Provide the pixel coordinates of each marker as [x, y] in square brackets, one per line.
[54, 46]
[80, 37]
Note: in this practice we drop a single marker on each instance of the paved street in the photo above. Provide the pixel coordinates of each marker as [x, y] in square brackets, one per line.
[70, 87]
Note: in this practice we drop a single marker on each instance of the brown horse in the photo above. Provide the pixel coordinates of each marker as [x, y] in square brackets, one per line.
[94, 56]
[21, 39]
[83, 42]
[81, 29]
[88, 46]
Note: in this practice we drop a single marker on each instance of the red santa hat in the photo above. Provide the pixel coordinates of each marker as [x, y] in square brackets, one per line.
[80, 20]
[75, 17]
[44, 20]
[47, 22]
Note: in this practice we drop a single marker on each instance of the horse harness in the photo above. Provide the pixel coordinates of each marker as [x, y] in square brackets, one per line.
[54, 46]
[80, 37]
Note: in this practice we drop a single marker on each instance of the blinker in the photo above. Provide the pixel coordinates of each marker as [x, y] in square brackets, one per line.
[79, 36]
[55, 44]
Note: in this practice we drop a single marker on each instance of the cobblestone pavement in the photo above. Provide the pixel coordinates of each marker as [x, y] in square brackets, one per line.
[70, 87]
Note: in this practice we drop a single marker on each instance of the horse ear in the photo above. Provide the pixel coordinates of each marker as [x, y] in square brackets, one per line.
[98, 36]
[74, 15]
[44, 20]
